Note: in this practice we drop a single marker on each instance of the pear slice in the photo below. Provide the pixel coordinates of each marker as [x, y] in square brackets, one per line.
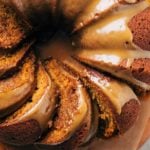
[95, 10]
[11, 62]
[131, 66]
[111, 31]
[15, 90]
[28, 123]
[72, 108]
[118, 105]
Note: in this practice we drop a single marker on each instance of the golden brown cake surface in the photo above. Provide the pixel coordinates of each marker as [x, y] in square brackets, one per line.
[13, 28]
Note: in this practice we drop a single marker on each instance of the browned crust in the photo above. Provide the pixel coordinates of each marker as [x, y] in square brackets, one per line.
[22, 133]
[128, 115]
[140, 69]
[13, 27]
[140, 27]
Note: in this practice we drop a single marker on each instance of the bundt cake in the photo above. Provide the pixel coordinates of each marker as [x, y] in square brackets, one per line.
[87, 90]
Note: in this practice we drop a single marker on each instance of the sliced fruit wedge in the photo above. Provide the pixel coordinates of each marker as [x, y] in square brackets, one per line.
[73, 106]
[118, 105]
[26, 125]
[11, 62]
[112, 31]
[15, 90]
[13, 27]
[131, 66]
[95, 10]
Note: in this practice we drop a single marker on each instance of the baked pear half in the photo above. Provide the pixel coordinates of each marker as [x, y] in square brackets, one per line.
[118, 105]
[99, 34]
[72, 108]
[13, 27]
[131, 65]
[27, 124]
[10, 62]
[16, 89]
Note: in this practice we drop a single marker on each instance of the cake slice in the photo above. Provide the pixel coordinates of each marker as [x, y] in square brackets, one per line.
[16, 89]
[112, 31]
[27, 124]
[73, 105]
[118, 105]
[132, 66]
[10, 62]
[13, 27]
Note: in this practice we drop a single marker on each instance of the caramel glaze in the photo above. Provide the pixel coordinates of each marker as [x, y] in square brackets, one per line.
[94, 11]
[110, 61]
[112, 31]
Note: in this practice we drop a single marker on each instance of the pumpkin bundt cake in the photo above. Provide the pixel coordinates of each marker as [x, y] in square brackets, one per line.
[89, 91]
